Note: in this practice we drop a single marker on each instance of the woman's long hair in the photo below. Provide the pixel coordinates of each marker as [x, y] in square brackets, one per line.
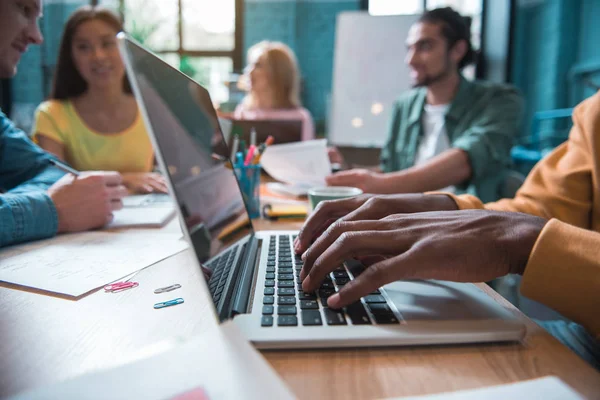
[285, 80]
[68, 82]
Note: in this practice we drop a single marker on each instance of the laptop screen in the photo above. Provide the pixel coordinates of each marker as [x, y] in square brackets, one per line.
[187, 136]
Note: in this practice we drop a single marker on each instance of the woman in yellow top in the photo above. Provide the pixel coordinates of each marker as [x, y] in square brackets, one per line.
[92, 120]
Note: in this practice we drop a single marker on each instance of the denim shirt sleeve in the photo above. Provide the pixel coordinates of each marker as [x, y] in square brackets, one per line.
[26, 217]
[26, 210]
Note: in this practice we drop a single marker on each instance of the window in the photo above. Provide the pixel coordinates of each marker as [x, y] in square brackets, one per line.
[395, 7]
[202, 38]
[470, 8]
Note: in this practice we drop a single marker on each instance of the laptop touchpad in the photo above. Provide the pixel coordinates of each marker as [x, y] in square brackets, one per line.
[436, 300]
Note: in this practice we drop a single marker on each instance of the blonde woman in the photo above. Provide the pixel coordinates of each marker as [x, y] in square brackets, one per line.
[273, 87]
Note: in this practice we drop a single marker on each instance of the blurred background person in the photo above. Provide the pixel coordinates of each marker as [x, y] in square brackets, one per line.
[92, 120]
[447, 132]
[273, 82]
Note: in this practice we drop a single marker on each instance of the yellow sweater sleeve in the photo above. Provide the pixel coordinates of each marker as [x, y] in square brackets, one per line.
[563, 270]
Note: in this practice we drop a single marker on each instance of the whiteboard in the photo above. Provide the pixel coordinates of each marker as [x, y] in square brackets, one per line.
[369, 73]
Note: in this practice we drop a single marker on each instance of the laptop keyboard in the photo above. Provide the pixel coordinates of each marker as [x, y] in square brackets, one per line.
[220, 267]
[286, 304]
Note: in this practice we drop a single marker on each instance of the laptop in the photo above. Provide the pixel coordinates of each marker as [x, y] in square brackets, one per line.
[254, 277]
[283, 131]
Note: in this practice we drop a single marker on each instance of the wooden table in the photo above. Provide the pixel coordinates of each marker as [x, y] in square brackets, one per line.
[45, 339]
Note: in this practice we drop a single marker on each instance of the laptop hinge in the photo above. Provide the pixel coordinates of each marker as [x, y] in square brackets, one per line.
[245, 281]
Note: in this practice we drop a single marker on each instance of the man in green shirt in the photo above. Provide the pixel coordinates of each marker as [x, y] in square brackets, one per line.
[446, 133]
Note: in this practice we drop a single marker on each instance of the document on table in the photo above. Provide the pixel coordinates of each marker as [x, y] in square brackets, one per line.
[147, 210]
[75, 264]
[218, 363]
[546, 388]
[142, 217]
[301, 165]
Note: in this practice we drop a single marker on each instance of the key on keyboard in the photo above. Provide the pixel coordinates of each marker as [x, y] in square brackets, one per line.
[283, 275]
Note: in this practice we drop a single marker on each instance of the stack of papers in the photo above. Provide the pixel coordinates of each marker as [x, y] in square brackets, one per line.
[299, 166]
[75, 264]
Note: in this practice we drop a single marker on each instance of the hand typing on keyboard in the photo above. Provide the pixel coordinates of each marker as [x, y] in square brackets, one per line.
[366, 207]
[463, 246]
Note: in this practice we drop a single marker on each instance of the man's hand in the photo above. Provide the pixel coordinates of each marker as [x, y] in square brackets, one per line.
[145, 182]
[88, 201]
[366, 180]
[462, 246]
[366, 207]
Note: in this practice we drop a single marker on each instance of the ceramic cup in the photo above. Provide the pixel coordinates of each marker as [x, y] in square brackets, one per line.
[318, 194]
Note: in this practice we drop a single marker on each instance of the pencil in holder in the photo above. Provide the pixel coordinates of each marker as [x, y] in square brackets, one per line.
[249, 179]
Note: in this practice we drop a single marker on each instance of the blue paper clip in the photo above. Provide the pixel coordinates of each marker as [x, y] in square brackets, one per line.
[169, 303]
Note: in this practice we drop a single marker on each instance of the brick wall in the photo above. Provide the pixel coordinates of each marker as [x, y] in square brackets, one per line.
[308, 27]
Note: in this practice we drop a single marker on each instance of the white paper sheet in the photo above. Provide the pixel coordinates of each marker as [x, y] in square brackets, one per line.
[148, 200]
[547, 388]
[148, 217]
[302, 164]
[74, 264]
[221, 362]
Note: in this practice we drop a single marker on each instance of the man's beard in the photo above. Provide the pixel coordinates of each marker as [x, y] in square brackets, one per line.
[430, 80]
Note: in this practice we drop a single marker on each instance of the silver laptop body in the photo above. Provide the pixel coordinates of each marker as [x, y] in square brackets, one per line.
[255, 274]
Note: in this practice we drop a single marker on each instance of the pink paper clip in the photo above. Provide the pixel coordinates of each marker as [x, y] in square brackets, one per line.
[120, 286]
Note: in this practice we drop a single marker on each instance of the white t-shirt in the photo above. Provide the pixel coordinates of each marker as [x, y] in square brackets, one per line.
[435, 139]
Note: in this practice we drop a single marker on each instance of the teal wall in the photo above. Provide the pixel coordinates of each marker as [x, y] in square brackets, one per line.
[308, 27]
[554, 39]
[588, 55]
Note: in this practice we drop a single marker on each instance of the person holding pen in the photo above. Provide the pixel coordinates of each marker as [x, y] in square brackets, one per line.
[92, 119]
[37, 199]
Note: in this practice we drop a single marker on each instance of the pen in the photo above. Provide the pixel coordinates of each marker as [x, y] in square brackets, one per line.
[267, 142]
[253, 137]
[63, 167]
[262, 149]
[250, 155]
[239, 159]
[234, 147]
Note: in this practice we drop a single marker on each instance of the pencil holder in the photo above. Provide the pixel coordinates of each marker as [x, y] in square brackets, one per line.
[249, 178]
